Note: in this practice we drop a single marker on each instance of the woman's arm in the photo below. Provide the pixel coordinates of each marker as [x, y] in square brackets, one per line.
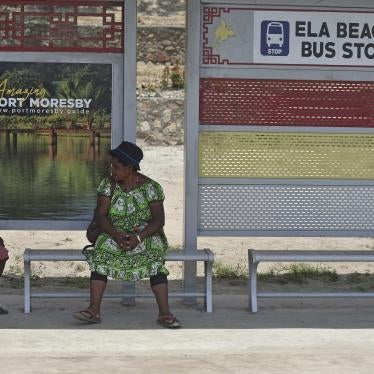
[157, 221]
[101, 217]
[155, 225]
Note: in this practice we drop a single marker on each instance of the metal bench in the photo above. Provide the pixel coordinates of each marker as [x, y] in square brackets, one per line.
[205, 255]
[255, 257]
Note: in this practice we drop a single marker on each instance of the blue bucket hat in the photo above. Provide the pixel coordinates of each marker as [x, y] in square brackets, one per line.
[129, 153]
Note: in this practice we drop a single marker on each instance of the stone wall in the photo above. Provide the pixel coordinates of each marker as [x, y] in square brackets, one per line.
[161, 44]
[161, 40]
[160, 7]
[161, 120]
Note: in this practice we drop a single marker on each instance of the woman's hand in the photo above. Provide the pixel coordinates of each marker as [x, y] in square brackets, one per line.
[126, 240]
[131, 241]
[121, 239]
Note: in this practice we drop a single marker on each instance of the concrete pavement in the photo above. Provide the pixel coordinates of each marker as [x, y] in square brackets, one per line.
[286, 336]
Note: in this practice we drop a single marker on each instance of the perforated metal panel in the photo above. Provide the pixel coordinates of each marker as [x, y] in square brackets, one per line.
[286, 155]
[277, 207]
[285, 150]
[286, 102]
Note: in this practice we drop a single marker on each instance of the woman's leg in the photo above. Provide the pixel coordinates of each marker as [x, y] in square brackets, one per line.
[97, 287]
[2, 266]
[159, 285]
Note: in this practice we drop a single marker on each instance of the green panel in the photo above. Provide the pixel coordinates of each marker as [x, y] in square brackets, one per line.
[286, 155]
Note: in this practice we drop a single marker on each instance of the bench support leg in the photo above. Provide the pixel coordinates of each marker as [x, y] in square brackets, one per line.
[208, 302]
[128, 288]
[252, 279]
[27, 286]
[189, 281]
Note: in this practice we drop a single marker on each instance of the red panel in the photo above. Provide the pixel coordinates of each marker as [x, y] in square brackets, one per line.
[286, 102]
[61, 25]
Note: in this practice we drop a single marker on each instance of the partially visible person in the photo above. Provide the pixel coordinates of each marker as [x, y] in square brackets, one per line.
[3, 259]
[132, 245]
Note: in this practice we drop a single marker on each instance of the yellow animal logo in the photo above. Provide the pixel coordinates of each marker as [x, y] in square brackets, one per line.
[222, 33]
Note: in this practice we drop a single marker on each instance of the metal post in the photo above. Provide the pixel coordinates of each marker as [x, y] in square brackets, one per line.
[252, 283]
[191, 146]
[205, 285]
[208, 286]
[27, 283]
[129, 105]
[128, 288]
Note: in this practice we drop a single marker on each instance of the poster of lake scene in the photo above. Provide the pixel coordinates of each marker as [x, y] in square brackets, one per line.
[54, 139]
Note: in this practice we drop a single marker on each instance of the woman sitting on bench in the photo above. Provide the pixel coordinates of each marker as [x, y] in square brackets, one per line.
[132, 244]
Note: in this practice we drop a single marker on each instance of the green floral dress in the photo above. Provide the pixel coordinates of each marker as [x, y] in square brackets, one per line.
[128, 210]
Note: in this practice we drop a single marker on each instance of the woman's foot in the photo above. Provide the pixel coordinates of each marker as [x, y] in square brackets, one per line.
[87, 315]
[169, 321]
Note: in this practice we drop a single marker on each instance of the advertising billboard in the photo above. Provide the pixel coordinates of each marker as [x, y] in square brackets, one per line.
[55, 133]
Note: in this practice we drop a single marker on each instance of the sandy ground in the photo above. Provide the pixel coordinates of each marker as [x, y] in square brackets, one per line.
[165, 164]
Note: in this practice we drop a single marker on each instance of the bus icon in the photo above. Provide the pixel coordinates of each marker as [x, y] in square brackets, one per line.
[274, 34]
[275, 38]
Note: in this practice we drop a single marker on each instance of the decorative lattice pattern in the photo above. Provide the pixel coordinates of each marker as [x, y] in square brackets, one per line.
[286, 102]
[276, 207]
[61, 25]
[286, 155]
[209, 14]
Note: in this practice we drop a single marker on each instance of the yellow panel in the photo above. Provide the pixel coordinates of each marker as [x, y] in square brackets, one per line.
[286, 155]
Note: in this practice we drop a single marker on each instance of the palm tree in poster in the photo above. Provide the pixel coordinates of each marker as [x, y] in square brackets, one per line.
[80, 86]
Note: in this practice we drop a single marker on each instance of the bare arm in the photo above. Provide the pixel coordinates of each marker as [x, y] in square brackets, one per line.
[101, 217]
[155, 225]
[157, 221]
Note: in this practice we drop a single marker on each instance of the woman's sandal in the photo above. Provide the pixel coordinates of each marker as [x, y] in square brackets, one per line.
[87, 316]
[169, 321]
[3, 311]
